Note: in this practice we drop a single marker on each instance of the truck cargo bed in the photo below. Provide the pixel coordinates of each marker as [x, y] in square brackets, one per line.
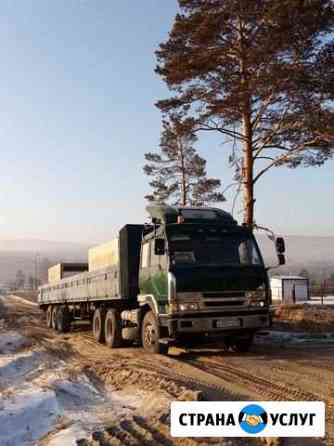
[118, 280]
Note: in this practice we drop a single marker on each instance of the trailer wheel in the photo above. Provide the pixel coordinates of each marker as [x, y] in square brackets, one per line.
[54, 317]
[113, 329]
[98, 324]
[242, 345]
[49, 316]
[150, 334]
[63, 320]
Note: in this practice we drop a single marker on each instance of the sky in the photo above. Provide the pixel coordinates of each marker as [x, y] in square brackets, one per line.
[77, 114]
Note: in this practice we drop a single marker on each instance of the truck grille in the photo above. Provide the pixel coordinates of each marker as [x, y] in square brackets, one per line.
[223, 294]
[224, 303]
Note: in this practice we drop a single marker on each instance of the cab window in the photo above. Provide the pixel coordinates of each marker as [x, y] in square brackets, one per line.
[157, 261]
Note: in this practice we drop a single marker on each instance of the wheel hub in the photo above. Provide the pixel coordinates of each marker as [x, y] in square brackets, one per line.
[150, 334]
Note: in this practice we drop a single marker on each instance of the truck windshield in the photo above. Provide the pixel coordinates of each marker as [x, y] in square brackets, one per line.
[205, 247]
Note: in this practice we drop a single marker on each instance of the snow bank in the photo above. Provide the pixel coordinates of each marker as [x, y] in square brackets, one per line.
[11, 341]
[20, 368]
[290, 337]
[22, 300]
[69, 436]
[27, 416]
[316, 300]
[43, 397]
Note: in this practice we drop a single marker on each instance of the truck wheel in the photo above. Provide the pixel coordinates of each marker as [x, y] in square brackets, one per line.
[98, 324]
[113, 329]
[49, 316]
[63, 320]
[54, 317]
[242, 345]
[150, 334]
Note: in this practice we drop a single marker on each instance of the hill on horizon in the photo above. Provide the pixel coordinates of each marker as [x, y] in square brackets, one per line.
[315, 253]
[42, 246]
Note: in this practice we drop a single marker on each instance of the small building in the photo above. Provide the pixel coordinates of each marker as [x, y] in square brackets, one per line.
[289, 289]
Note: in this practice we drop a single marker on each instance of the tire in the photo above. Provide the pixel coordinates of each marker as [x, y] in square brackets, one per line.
[63, 320]
[242, 345]
[150, 334]
[54, 317]
[49, 316]
[98, 324]
[113, 329]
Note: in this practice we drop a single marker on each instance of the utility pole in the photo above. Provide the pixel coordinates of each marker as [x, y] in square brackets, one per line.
[36, 281]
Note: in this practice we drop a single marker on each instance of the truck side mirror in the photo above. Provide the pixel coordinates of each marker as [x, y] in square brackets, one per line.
[159, 246]
[280, 245]
[281, 259]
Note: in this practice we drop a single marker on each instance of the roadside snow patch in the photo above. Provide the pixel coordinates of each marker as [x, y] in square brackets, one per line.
[11, 341]
[21, 300]
[69, 436]
[78, 396]
[27, 416]
[287, 337]
[138, 401]
[23, 366]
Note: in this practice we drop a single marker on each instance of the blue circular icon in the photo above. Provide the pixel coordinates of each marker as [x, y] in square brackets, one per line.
[253, 419]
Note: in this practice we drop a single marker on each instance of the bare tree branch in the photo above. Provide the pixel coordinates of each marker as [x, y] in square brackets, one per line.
[284, 158]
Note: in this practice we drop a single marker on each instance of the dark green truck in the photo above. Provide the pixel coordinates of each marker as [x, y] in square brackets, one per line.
[190, 276]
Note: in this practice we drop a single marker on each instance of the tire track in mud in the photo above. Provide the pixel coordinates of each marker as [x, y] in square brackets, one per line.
[306, 376]
[209, 374]
[262, 386]
[162, 370]
[287, 388]
[218, 368]
[266, 388]
[138, 431]
[323, 366]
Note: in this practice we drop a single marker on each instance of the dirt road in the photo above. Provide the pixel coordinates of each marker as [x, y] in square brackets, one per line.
[135, 388]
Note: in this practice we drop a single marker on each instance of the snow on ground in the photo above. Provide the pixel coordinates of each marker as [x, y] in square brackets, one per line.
[26, 416]
[39, 392]
[68, 436]
[290, 337]
[44, 397]
[19, 367]
[11, 341]
[327, 300]
[22, 300]
[27, 411]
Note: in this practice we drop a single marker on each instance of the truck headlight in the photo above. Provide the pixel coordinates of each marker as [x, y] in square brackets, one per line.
[256, 297]
[189, 306]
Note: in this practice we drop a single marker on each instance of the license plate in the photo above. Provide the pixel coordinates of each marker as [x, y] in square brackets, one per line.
[228, 323]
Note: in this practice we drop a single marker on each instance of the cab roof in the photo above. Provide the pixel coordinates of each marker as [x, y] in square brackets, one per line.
[165, 214]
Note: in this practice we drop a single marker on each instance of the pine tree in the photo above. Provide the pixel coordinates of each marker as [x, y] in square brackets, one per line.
[260, 73]
[178, 172]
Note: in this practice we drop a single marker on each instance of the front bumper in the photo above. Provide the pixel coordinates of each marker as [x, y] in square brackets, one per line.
[217, 323]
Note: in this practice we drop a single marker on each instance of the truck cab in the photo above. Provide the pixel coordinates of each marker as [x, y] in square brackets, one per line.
[203, 276]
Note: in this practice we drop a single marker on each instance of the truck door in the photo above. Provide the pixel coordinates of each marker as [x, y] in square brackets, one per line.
[159, 277]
